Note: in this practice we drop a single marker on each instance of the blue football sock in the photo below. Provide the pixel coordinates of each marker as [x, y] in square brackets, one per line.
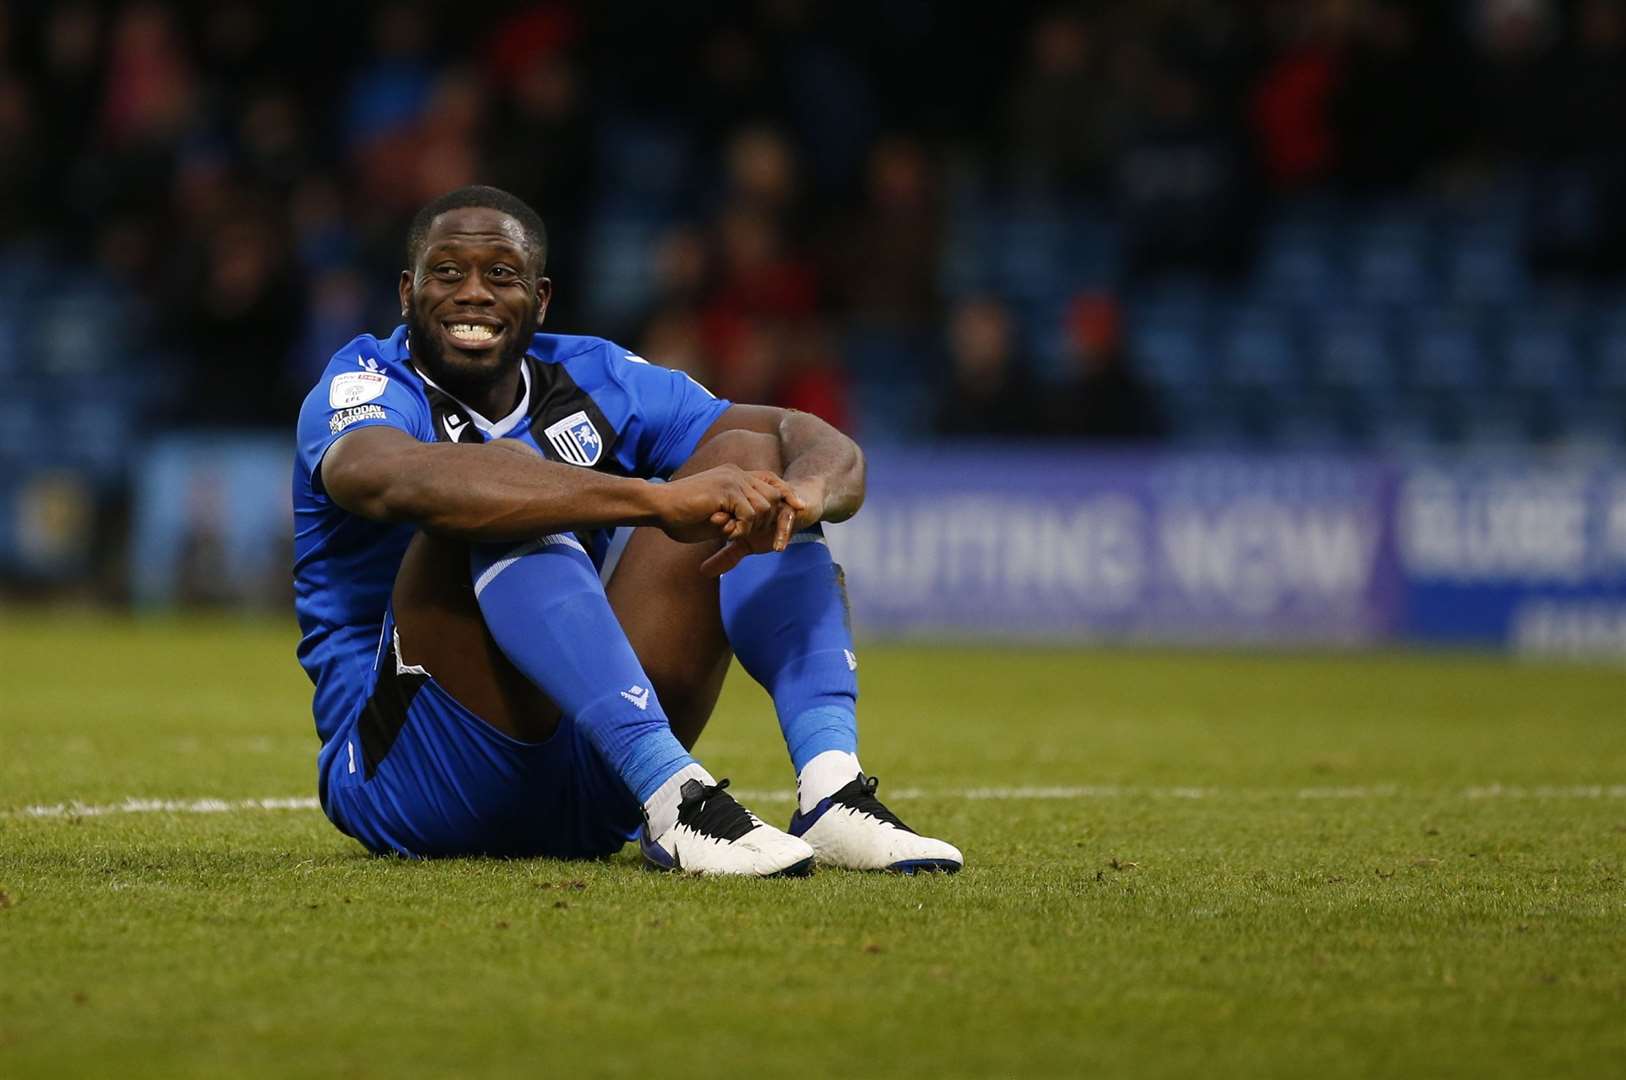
[545, 607]
[786, 617]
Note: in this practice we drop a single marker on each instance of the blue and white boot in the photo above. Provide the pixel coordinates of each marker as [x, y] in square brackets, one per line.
[713, 834]
[854, 830]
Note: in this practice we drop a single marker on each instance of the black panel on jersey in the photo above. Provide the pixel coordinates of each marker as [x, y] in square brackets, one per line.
[452, 423]
[385, 713]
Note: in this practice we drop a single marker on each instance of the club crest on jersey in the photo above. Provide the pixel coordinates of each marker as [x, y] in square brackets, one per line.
[355, 388]
[576, 439]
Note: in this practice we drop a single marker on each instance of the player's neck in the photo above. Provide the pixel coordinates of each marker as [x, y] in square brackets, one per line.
[492, 399]
[495, 399]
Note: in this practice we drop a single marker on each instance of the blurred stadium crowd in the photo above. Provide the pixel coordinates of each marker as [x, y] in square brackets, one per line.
[1254, 222]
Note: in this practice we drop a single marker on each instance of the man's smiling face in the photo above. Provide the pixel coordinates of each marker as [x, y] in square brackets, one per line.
[473, 298]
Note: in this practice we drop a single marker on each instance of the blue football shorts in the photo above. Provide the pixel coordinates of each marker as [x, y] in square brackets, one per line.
[412, 772]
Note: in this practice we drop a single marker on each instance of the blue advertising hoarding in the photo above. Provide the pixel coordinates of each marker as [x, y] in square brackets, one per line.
[1067, 543]
[1527, 555]
[1156, 547]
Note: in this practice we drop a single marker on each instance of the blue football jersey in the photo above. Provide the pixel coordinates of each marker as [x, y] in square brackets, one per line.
[587, 402]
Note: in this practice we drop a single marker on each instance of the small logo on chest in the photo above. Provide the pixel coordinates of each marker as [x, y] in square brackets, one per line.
[576, 439]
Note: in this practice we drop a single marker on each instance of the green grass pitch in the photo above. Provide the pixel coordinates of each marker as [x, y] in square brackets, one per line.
[1178, 865]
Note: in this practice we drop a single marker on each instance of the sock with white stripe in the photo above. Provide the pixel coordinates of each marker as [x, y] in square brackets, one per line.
[546, 609]
[786, 618]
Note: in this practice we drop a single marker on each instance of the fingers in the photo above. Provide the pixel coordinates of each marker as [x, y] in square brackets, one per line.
[784, 525]
[780, 484]
[753, 496]
[726, 559]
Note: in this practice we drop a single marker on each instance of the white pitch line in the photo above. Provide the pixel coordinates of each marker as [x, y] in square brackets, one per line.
[160, 806]
[995, 794]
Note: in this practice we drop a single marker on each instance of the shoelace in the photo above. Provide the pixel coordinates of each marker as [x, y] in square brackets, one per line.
[710, 811]
[860, 795]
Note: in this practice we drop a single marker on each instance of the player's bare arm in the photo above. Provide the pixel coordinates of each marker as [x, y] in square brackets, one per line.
[503, 491]
[823, 470]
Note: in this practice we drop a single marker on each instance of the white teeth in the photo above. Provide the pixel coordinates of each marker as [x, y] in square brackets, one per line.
[471, 332]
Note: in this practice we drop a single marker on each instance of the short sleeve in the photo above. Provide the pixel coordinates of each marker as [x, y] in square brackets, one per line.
[671, 413]
[349, 396]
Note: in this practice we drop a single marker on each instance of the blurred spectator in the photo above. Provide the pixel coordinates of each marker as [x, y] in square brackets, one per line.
[389, 92]
[1100, 397]
[247, 169]
[21, 178]
[989, 392]
[1062, 108]
[69, 81]
[828, 93]
[759, 274]
[1578, 219]
[150, 79]
[811, 378]
[672, 338]
[1516, 75]
[1291, 108]
[762, 174]
[273, 140]
[682, 266]
[1181, 184]
[147, 104]
[540, 146]
[234, 315]
[734, 84]
[1393, 106]
[884, 265]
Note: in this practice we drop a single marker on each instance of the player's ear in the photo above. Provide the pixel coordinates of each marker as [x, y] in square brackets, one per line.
[544, 293]
[406, 292]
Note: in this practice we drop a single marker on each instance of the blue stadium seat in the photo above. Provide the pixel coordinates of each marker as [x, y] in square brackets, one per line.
[1403, 425]
[22, 427]
[1200, 419]
[965, 268]
[1493, 420]
[95, 435]
[1484, 265]
[68, 335]
[1093, 252]
[1044, 329]
[1351, 351]
[1446, 351]
[1257, 348]
[1540, 354]
[1389, 261]
[1593, 424]
[1609, 356]
[1169, 344]
[11, 345]
[1313, 422]
[894, 414]
[1028, 253]
[1296, 264]
[651, 161]
[886, 357]
[619, 263]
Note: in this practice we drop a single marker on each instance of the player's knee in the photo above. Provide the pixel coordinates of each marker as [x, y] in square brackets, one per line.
[748, 449]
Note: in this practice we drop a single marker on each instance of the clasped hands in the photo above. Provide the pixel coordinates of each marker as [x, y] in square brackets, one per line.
[750, 511]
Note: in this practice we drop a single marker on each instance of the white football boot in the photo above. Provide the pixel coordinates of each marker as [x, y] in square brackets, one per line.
[852, 829]
[714, 834]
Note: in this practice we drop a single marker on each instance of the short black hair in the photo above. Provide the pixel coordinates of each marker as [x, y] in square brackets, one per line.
[488, 198]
